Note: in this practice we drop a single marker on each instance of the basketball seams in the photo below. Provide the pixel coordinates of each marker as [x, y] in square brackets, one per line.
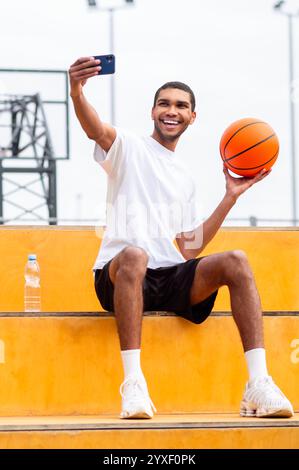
[239, 130]
[249, 148]
[254, 167]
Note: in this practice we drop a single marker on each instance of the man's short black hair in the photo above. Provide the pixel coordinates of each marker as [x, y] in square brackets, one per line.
[179, 86]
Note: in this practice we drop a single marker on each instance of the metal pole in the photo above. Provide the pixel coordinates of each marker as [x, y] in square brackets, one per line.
[67, 115]
[292, 120]
[111, 10]
[52, 191]
[1, 193]
[112, 79]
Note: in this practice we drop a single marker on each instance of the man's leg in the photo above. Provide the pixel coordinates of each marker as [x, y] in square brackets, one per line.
[127, 271]
[231, 268]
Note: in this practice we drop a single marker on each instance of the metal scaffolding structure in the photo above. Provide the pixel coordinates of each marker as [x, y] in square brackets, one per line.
[29, 139]
[28, 189]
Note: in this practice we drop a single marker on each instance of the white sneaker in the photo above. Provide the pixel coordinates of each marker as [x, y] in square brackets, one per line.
[262, 398]
[136, 402]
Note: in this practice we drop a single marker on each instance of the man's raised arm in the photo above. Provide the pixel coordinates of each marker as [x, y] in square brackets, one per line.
[205, 232]
[79, 72]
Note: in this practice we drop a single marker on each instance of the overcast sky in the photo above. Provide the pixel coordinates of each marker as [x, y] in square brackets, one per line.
[233, 53]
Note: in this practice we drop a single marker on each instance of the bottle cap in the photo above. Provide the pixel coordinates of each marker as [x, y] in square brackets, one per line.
[32, 257]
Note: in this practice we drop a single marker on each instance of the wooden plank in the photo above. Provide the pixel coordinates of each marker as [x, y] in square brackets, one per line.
[233, 438]
[105, 314]
[171, 421]
[71, 365]
[67, 254]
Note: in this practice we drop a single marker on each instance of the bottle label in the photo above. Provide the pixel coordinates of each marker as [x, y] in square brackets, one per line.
[32, 281]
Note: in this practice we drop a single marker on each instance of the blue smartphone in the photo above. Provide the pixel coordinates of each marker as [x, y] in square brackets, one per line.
[107, 63]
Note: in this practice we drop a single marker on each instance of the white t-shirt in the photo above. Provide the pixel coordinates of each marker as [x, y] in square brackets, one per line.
[150, 199]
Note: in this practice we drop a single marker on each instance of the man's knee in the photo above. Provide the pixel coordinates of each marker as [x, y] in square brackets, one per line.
[132, 262]
[236, 266]
[237, 257]
[133, 255]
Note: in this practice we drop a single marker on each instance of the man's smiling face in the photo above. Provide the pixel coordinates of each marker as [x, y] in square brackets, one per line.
[172, 114]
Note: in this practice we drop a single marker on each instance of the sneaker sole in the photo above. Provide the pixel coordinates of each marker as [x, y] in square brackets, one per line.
[282, 413]
[136, 415]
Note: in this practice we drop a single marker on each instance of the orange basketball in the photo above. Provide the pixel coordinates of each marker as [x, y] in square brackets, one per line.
[248, 146]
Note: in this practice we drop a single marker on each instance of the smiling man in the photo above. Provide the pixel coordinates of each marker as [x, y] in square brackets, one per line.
[151, 201]
[170, 125]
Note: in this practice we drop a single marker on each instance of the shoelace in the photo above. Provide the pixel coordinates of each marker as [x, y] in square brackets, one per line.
[134, 389]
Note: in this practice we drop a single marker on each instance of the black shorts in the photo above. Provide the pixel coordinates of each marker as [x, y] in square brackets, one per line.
[164, 289]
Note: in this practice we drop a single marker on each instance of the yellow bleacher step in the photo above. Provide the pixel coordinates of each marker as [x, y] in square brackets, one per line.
[175, 431]
[69, 364]
[66, 256]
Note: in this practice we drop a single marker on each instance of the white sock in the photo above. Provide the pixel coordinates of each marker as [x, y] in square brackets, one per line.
[131, 362]
[256, 363]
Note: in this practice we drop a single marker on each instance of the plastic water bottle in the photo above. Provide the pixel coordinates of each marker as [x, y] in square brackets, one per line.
[32, 298]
